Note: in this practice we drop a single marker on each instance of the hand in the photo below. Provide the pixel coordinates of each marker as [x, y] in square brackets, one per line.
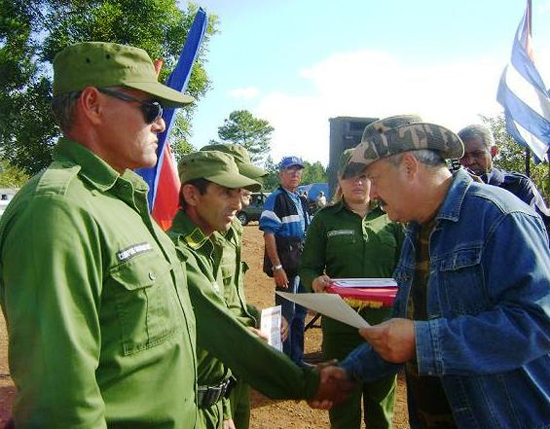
[281, 280]
[393, 339]
[334, 388]
[284, 329]
[229, 424]
[321, 283]
[261, 335]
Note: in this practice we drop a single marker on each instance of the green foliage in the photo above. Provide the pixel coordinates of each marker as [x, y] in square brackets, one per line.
[11, 177]
[271, 181]
[314, 173]
[511, 156]
[33, 31]
[243, 128]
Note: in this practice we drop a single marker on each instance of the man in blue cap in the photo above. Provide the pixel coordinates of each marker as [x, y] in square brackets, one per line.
[284, 222]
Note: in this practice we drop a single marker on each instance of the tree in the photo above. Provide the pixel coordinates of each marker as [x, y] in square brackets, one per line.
[11, 177]
[314, 173]
[179, 141]
[33, 31]
[511, 155]
[271, 181]
[243, 128]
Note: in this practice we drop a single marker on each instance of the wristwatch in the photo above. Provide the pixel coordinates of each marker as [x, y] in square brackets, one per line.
[277, 267]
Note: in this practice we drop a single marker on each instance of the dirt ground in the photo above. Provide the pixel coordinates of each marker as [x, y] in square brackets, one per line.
[266, 414]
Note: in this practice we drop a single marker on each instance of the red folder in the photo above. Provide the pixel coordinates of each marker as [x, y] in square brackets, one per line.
[366, 296]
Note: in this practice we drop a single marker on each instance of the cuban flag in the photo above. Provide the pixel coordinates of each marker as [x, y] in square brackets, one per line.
[523, 94]
[163, 180]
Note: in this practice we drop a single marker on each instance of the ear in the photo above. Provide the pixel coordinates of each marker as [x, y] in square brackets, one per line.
[409, 165]
[90, 104]
[494, 151]
[190, 194]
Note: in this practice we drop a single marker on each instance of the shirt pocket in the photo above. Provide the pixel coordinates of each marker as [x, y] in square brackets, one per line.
[463, 290]
[145, 302]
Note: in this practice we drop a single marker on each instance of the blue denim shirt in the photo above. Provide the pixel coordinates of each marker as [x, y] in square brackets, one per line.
[488, 330]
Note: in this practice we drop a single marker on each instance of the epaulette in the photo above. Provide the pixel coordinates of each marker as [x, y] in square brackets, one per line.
[57, 177]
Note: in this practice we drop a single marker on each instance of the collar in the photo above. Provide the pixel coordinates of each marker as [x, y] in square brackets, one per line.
[494, 177]
[294, 194]
[92, 168]
[452, 204]
[188, 232]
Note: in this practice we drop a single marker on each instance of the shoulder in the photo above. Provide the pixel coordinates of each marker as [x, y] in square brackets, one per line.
[481, 200]
[328, 211]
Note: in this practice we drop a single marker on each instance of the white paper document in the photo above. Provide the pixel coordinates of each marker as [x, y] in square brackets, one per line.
[270, 325]
[328, 304]
[365, 282]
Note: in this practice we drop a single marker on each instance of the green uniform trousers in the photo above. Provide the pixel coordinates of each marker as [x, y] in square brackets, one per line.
[240, 404]
[378, 396]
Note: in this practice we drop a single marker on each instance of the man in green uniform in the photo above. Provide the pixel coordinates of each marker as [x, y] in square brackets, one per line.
[353, 239]
[101, 328]
[233, 270]
[210, 197]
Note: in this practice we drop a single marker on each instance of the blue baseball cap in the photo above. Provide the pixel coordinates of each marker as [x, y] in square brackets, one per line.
[290, 161]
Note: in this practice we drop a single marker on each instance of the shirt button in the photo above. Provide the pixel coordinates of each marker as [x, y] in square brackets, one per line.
[152, 275]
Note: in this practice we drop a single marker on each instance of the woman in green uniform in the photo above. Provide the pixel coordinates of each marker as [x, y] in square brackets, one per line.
[350, 239]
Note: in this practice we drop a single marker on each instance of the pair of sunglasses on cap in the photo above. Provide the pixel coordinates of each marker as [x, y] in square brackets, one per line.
[152, 110]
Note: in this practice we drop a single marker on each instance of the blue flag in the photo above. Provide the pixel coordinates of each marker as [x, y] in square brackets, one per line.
[523, 94]
[178, 80]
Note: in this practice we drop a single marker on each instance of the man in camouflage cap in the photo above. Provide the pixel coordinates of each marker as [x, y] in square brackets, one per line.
[101, 328]
[465, 300]
[210, 197]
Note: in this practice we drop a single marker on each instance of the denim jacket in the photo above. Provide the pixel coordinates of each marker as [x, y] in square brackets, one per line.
[488, 330]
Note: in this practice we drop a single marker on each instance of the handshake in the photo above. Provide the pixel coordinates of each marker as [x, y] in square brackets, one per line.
[334, 386]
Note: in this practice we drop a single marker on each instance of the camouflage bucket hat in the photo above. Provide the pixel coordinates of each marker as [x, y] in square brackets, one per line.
[403, 133]
[109, 64]
[241, 157]
[217, 167]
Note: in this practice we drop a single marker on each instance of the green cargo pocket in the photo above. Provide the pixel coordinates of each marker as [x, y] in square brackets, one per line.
[145, 302]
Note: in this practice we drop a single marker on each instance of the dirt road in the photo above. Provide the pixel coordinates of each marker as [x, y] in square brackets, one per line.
[266, 414]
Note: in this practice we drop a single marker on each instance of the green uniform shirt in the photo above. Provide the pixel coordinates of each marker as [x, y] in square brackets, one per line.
[100, 324]
[222, 334]
[233, 270]
[203, 258]
[343, 245]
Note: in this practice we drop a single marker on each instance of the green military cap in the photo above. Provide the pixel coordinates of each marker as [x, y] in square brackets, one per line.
[343, 171]
[397, 134]
[241, 157]
[109, 64]
[217, 167]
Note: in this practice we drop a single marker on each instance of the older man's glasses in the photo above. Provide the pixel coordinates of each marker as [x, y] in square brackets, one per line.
[152, 110]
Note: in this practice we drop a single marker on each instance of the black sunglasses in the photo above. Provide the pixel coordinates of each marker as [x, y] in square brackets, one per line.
[152, 110]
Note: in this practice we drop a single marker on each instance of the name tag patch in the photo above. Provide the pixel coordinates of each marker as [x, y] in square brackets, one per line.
[130, 252]
[337, 232]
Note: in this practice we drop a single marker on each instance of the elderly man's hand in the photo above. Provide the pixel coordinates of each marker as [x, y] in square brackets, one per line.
[393, 339]
[334, 388]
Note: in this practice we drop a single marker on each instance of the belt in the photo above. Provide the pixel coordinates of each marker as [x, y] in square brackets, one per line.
[210, 395]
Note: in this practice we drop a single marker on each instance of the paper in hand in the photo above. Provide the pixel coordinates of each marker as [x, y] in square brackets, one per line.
[328, 304]
[270, 325]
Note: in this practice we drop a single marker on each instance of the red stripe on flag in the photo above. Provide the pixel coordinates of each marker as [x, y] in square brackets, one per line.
[166, 201]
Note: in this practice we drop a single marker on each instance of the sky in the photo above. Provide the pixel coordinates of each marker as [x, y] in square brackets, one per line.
[297, 63]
